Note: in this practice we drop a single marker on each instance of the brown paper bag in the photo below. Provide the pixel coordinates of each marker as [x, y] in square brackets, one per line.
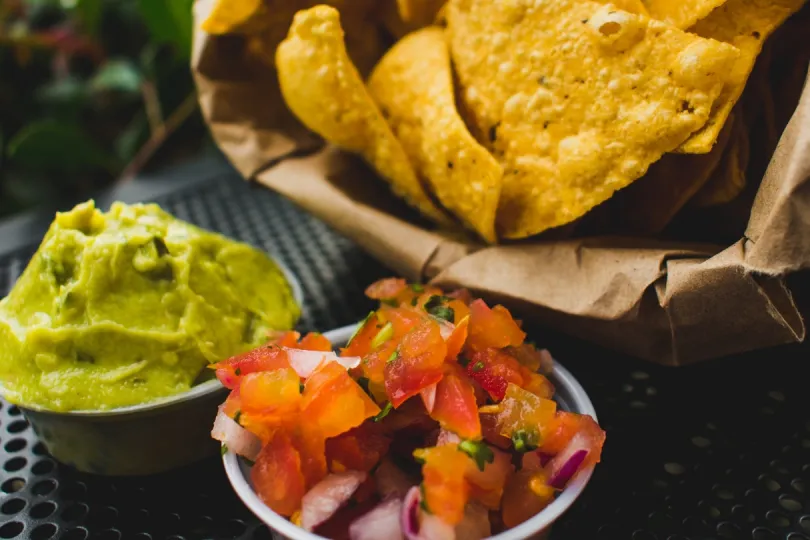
[668, 302]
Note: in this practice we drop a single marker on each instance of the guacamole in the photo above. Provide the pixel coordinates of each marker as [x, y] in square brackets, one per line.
[122, 308]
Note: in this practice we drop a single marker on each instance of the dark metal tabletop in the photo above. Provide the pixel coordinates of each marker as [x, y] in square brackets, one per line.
[720, 450]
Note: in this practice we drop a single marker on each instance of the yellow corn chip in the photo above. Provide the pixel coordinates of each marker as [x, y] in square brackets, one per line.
[413, 85]
[681, 13]
[324, 90]
[236, 16]
[631, 6]
[577, 98]
[728, 180]
[745, 24]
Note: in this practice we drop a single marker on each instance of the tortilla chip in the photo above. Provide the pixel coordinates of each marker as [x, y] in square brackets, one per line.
[681, 13]
[746, 24]
[728, 181]
[241, 17]
[631, 6]
[577, 99]
[324, 90]
[647, 206]
[413, 85]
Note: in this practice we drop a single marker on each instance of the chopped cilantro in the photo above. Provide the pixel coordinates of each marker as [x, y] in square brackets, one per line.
[237, 416]
[478, 451]
[363, 382]
[390, 302]
[223, 449]
[435, 306]
[414, 301]
[423, 500]
[301, 387]
[393, 357]
[384, 412]
[525, 440]
[385, 333]
[478, 366]
[417, 288]
[238, 371]
[359, 327]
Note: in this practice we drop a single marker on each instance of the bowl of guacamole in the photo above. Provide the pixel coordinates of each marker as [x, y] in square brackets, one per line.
[106, 336]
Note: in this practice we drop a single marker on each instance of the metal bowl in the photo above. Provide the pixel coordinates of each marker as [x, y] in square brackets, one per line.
[144, 439]
[570, 396]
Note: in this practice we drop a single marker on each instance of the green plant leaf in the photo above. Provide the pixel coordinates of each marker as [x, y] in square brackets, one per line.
[48, 145]
[119, 75]
[170, 21]
[133, 136]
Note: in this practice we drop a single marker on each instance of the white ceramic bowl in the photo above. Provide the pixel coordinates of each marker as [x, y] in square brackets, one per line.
[570, 396]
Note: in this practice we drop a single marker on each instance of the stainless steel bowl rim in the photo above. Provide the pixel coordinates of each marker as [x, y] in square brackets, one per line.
[195, 392]
[235, 470]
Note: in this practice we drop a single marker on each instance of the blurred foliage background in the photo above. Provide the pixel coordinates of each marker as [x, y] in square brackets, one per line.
[91, 93]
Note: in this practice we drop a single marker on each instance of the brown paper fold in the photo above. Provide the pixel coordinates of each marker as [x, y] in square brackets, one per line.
[671, 303]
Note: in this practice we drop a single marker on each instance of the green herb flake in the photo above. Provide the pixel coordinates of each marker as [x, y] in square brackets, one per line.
[223, 449]
[478, 366]
[423, 500]
[390, 302]
[385, 333]
[393, 357]
[384, 412]
[238, 371]
[414, 301]
[237, 416]
[525, 440]
[300, 387]
[436, 307]
[360, 326]
[417, 288]
[478, 451]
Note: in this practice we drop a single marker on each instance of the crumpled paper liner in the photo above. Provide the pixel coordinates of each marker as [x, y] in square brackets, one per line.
[667, 302]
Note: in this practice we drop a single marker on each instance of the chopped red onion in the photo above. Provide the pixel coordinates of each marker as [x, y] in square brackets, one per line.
[428, 394]
[564, 468]
[381, 523]
[305, 362]
[327, 496]
[418, 525]
[447, 437]
[236, 438]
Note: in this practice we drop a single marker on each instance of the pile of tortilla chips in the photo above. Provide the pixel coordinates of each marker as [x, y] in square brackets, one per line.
[510, 118]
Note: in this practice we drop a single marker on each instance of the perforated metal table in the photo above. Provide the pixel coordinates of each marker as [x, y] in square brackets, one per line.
[715, 451]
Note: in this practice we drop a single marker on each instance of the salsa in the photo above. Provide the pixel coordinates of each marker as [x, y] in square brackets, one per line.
[121, 308]
[436, 420]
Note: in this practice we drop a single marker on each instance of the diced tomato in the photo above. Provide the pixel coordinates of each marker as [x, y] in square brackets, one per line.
[314, 341]
[494, 370]
[310, 444]
[233, 403]
[491, 431]
[445, 488]
[455, 407]
[492, 328]
[271, 393]
[531, 358]
[360, 344]
[334, 402]
[277, 476]
[594, 436]
[463, 295]
[373, 364]
[286, 339]
[265, 358]
[359, 449]
[537, 384]
[487, 486]
[524, 496]
[386, 288]
[403, 320]
[523, 411]
[563, 428]
[418, 363]
[455, 343]
[460, 310]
